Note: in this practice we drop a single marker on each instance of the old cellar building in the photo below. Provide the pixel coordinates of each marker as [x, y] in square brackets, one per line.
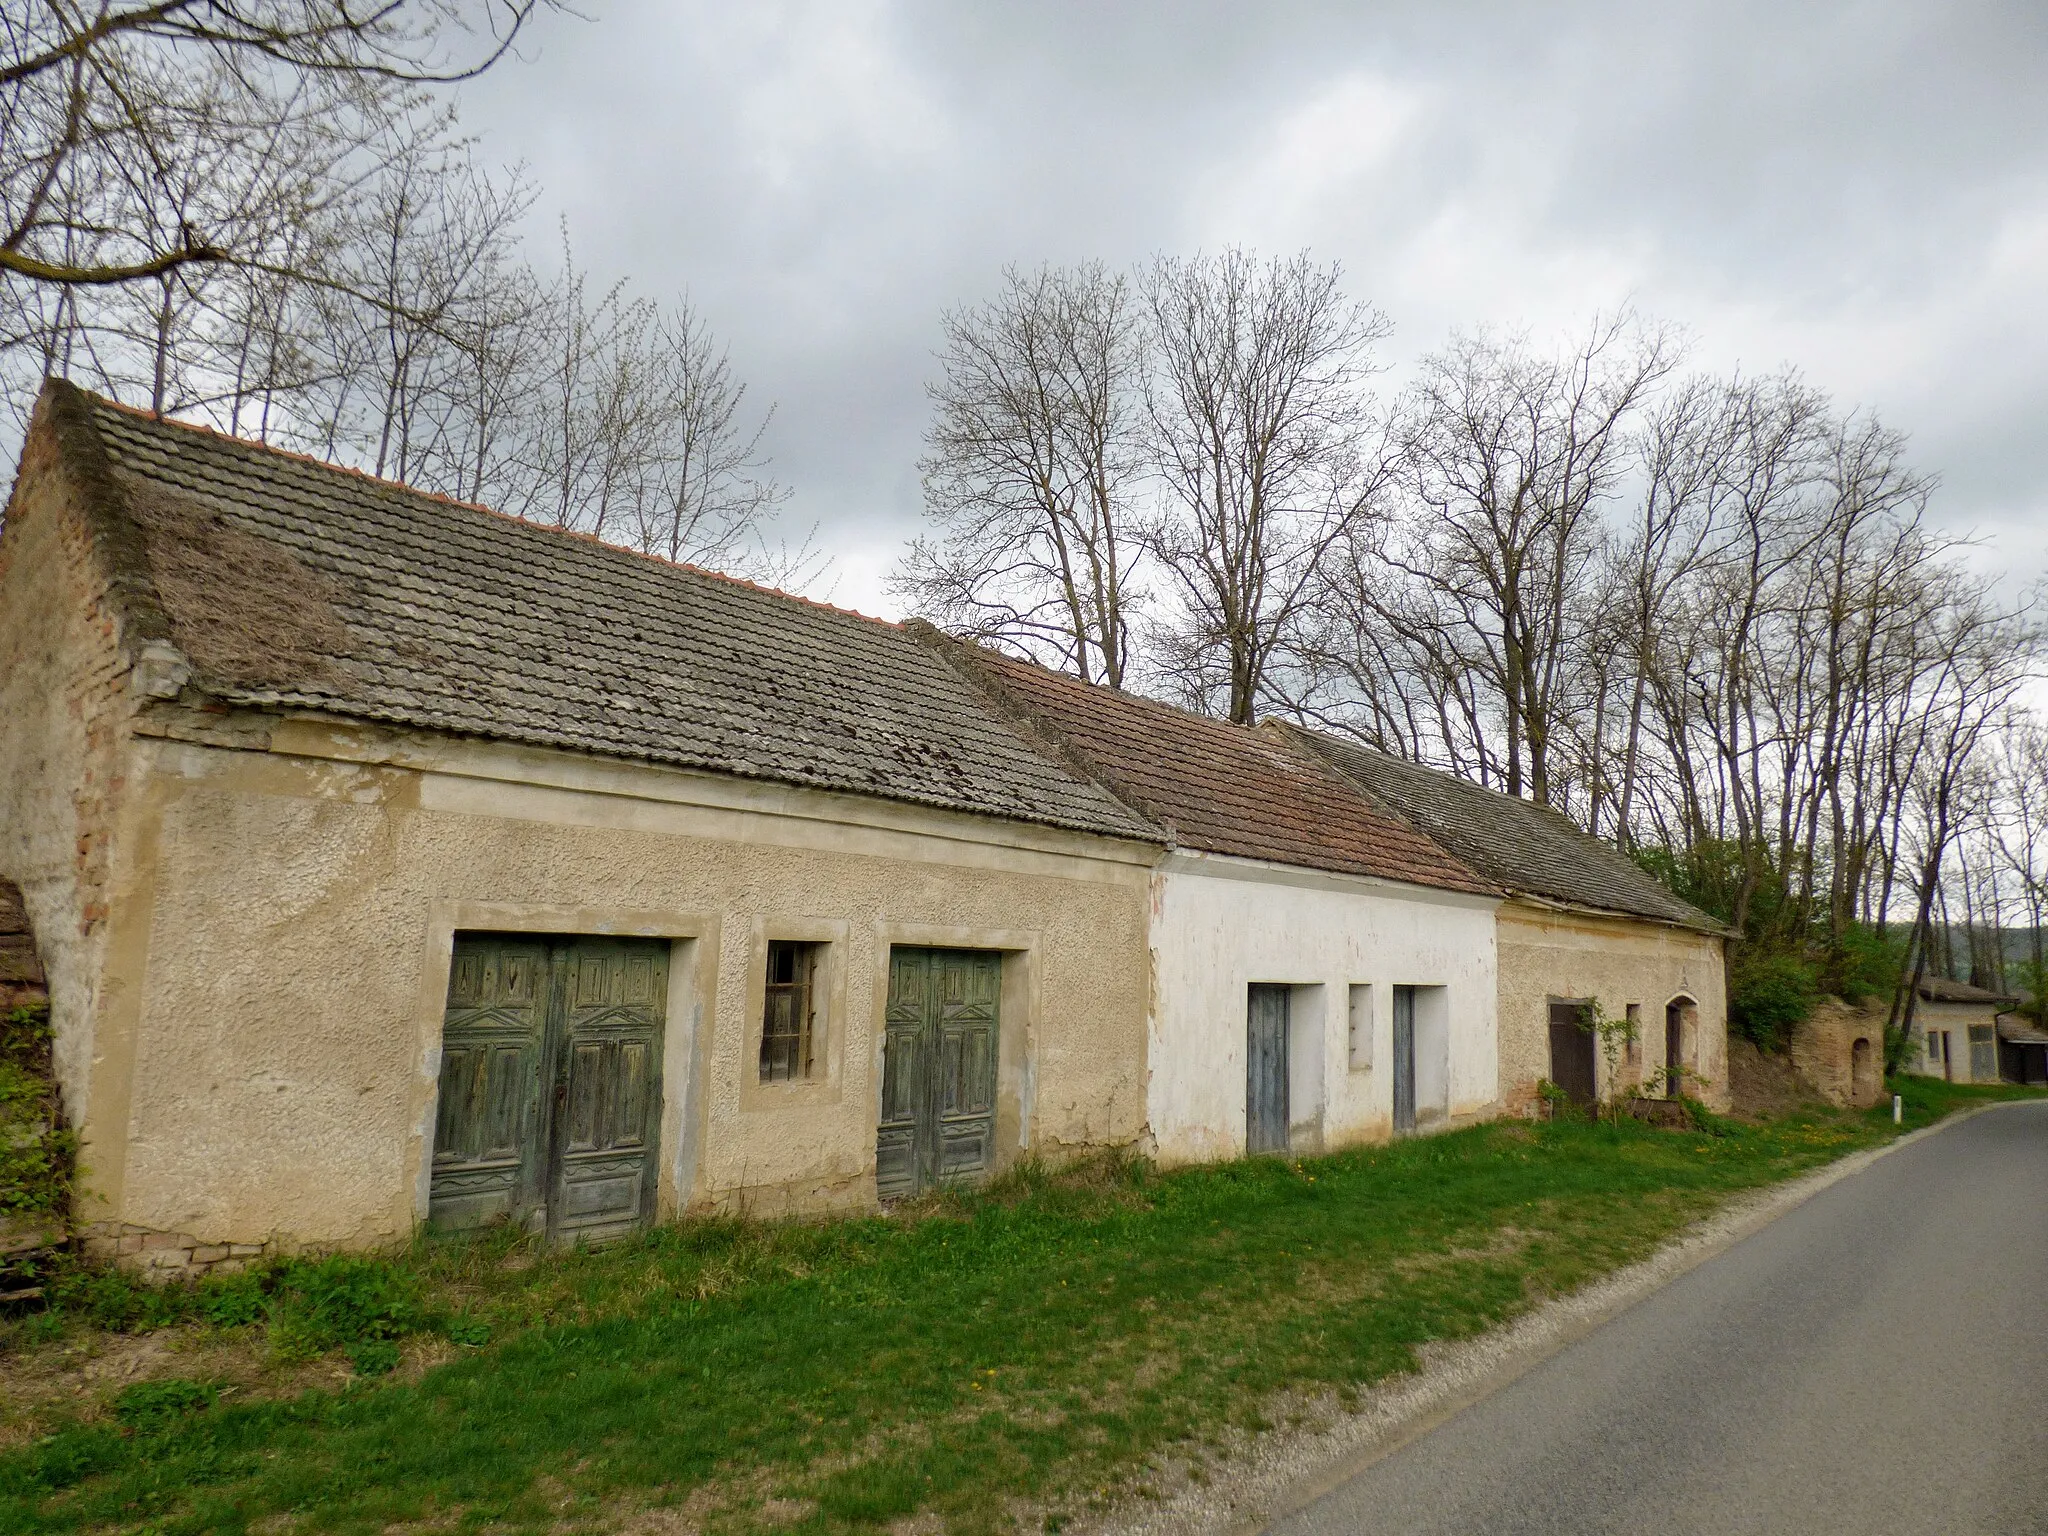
[1581, 926]
[1323, 973]
[392, 861]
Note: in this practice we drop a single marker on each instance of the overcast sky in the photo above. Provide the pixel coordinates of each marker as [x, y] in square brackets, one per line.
[1859, 190]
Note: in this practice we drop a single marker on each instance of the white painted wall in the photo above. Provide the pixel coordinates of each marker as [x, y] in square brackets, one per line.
[1220, 924]
[1957, 1019]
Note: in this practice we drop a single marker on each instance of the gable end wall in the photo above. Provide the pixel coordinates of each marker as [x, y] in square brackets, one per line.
[65, 709]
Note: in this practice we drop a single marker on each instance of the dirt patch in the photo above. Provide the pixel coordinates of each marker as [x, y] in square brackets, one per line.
[80, 1376]
[1763, 1085]
[1506, 1243]
[695, 1510]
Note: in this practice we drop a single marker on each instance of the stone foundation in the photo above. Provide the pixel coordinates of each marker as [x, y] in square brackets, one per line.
[162, 1256]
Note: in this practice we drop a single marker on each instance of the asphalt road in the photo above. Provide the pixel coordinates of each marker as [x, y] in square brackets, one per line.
[1875, 1361]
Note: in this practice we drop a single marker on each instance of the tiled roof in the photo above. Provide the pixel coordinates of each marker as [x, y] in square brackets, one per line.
[321, 588]
[1527, 848]
[2019, 1031]
[1215, 787]
[1939, 989]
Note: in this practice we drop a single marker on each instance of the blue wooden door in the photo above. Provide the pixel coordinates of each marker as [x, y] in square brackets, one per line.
[488, 1119]
[1404, 1060]
[1265, 1069]
[607, 1087]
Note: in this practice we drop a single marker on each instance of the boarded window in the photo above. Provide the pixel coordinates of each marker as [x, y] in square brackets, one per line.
[789, 1014]
[1635, 1034]
[1361, 1029]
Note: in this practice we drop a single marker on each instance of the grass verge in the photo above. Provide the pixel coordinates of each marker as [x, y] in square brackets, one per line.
[35, 1151]
[1025, 1348]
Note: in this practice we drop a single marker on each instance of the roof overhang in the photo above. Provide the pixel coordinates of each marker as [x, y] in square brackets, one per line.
[1612, 915]
[1230, 866]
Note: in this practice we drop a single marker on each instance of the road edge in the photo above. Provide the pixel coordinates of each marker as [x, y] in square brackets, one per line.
[1276, 1474]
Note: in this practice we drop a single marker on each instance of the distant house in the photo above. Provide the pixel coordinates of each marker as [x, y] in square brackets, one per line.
[1322, 973]
[1581, 925]
[2022, 1050]
[394, 861]
[1955, 1031]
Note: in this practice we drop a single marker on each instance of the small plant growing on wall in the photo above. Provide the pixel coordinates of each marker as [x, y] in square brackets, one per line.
[1615, 1035]
[1670, 1082]
[36, 1151]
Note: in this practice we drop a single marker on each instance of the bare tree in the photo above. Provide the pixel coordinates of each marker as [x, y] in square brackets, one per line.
[1509, 457]
[253, 212]
[700, 496]
[1032, 466]
[2019, 833]
[114, 117]
[1987, 653]
[1261, 425]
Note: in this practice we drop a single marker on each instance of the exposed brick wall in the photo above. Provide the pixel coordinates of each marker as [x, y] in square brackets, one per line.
[66, 703]
[21, 968]
[1824, 1054]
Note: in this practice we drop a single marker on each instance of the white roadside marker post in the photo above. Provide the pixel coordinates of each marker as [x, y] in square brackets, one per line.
[1898, 1109]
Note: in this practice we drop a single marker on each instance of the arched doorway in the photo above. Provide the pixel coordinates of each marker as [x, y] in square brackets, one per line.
[1863, 1084]
[1681, 1015]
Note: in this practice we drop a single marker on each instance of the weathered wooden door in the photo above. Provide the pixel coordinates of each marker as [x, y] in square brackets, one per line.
[488, 1122]
[938, 1114]
[1674, 1050]
[1571, 1053]
[1265, 1069]
[550, 1100]
[607, 1087]
[1404, 1060]
[1983, 1054]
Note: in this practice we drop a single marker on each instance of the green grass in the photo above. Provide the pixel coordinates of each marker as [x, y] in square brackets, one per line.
[1929, 1099]
[35, 1155]
[1037, 1342]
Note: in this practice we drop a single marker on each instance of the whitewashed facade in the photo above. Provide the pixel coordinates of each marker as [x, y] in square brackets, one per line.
[1344, 946]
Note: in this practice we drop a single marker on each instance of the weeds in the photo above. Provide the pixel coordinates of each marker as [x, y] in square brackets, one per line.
[359, 1304]
[36, 1151]
[1033, 1343]
[153, 1405]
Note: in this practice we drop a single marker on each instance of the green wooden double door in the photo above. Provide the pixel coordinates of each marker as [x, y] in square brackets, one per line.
[938, 1116]
[550, 1103]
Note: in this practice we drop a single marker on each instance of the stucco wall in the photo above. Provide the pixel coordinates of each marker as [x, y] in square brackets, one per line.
[1958, 1019]
[1221, 924]
[292, 960]
[1551, 955]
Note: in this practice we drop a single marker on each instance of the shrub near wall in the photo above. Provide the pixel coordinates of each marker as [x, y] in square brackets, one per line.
[1769, 996]
[36, 1153]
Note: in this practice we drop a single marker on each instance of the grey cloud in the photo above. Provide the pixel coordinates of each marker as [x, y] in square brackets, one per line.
[1858, 189]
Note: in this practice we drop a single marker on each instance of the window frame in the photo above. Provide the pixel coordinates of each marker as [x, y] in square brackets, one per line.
[808, 957]
[1362, 1023]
